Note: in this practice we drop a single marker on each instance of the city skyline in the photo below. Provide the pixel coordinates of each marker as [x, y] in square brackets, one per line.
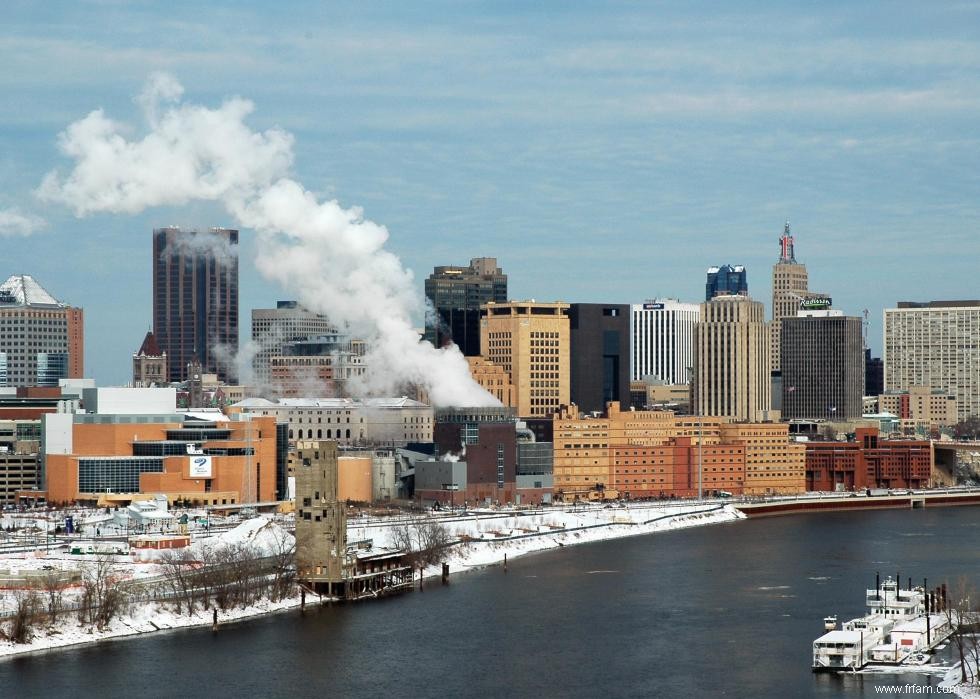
[622, 143]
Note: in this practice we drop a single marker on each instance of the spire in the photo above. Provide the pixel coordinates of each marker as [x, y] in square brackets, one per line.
[786, 246]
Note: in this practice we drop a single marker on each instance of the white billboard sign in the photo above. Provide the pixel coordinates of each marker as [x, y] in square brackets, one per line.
[200, 466]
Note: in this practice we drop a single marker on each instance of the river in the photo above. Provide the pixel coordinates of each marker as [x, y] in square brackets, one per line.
[728, 610]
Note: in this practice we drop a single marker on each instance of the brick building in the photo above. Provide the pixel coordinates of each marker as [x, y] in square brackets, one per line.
[868, 462]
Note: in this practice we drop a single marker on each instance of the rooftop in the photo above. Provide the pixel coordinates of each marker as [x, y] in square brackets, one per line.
[24, 290]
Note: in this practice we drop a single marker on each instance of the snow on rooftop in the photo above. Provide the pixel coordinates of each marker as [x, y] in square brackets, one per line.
[24, 290]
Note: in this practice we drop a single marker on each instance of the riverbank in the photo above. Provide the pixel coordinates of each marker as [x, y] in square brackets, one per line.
[486, 541]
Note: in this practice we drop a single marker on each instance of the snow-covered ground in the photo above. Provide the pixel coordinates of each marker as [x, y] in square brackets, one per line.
[487, 537]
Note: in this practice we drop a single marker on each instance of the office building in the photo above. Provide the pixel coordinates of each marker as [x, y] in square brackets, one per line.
[731, 360]
[456, 295]
[935, 344]
[41, 338]
[874, 374]
[790, 292]
[275, 328]
[822, 366]
[662, 340]
[599, 355]
[530, 340]
[726, 280]
[195, 299]
[920, 408]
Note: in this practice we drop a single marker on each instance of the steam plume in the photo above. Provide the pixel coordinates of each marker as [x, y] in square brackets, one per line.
[332, 259]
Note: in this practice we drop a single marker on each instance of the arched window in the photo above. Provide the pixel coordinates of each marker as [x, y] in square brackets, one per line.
[319, 434]
[309, 434]
[348, 434]
[290, 434]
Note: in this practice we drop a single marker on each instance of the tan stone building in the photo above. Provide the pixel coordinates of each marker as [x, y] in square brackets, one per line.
[494, 379]
[790, 287]
[530, 341]
[773, 464]
[920, 406]
[731, 360]
[657, 453]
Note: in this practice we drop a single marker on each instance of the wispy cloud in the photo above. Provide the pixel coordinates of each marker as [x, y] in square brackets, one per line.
[15, 222]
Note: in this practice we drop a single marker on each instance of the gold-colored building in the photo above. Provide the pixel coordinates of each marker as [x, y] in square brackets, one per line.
[731, 360]
[530, 341]
[773, 464]
[790, 287]
[494, 379]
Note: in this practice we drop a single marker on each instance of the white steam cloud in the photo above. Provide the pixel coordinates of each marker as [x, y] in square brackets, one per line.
[218, 247]
[331, 258]
[13, 222]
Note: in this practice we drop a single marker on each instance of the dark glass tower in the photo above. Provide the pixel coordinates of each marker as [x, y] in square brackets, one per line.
[726, 280]
[195, 299]
[456, 294]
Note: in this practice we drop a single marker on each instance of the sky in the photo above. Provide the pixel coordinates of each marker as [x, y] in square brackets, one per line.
[602, 152]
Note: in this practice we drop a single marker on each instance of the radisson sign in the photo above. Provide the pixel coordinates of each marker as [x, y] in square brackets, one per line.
[818, 304]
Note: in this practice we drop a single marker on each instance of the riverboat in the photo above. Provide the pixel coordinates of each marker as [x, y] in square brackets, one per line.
[901, 627]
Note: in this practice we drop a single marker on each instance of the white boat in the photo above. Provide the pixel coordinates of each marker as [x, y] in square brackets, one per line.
[897, 629]
[829, 623]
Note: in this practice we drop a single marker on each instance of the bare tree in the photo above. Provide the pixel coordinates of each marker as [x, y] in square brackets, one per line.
[54, 591]
[423, 539]
[101, 598]
[960, 614]
[283, 561]
[177, 572]
[20, 628]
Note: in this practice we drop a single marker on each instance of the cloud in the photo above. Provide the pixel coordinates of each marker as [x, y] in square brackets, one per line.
[332, 259]
[13, 222]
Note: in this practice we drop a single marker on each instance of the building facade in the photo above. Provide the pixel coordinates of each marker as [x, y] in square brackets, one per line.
[195, 299]
[456, 295]
[273, 328]
[530, 340]
[731, 361]
[790, 287]
[207, 462]
[662, 340]
[935, 344]
[41, 339]
[868, 462]
[382, 421]
[920, 407]
[150, 364]
[660, 454]
[726, 280]
[822, 366]
[599, 355]
[493, 379]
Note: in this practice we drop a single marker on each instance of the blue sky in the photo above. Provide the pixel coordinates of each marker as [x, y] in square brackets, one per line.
[602, 152]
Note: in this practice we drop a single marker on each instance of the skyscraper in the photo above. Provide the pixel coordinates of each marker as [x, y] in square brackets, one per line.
[599, 355]
[789, 290]
[822, 366]
[456, 294]
[731, 365]
[41, 338]
[530, 341]
[726, 280]
[662, 340]
[195, 299]
[935, 344]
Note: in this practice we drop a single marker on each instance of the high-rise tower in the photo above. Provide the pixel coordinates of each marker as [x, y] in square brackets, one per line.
[195, 299]
[789, 290]
[41, 338]
[731, 360]
[456, 294]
